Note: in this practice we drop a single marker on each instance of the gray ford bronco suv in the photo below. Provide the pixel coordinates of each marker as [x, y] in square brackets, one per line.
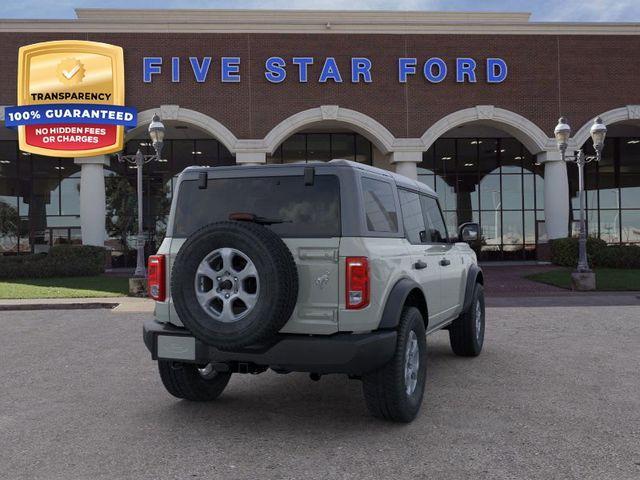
[323, 268]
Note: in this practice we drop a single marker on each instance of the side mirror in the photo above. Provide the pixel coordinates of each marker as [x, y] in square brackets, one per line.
[469, 232]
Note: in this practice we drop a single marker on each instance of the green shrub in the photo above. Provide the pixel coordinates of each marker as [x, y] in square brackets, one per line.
[61, 261]
[564, 252]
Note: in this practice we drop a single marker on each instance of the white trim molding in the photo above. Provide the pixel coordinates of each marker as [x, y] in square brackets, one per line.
[622, 114]
[373, 130]
[192, 117]
[531, 136]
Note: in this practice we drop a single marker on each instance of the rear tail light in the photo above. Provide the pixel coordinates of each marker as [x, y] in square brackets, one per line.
[357, 282]
[156, 279]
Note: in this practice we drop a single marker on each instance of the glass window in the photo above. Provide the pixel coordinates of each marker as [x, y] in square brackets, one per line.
[294, 149]
[630, 190]
[318, 147]
[364, 150]
[380, 206]
[412, 216]
[436, 230]
[629, 155]
[630, 226]
[512, 192]
[428, 159]
[343, 145]
[467, 192]
[491, 223]
[45, 166]
[206, 152]
[70, 196]
[511, 155]
[467, 155]
[303, 210]
[182, 156]
[488, 156]
[610, 226]
[8, 159]
[445, 156]
[512, 228]
[490, 198]
[446, 192]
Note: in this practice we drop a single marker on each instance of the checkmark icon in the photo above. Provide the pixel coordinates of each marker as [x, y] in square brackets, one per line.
[71, 73]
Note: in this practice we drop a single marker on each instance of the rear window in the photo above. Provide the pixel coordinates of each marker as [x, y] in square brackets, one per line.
[305, 210]
[380, 206]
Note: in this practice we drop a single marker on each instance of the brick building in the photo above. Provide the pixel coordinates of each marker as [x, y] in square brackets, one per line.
[465, 102]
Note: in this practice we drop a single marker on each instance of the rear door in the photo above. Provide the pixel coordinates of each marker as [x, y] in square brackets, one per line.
[305, 215]
[442, 250]
[424, 259]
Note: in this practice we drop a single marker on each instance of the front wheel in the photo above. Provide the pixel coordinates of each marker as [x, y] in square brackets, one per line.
[466, 333]
[395, 391]
[191, 382]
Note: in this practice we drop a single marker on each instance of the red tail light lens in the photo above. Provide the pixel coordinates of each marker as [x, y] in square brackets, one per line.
[156, 277]
[357, 282]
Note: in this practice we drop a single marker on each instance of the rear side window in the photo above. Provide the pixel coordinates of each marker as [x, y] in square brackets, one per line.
[300, 210]
[412, 216]
[379, 206]
[436, 229]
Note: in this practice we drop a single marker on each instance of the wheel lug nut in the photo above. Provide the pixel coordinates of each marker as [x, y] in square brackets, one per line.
[218, 278]
[226, 296]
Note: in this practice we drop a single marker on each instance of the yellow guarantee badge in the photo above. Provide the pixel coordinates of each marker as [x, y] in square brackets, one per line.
[71, 99]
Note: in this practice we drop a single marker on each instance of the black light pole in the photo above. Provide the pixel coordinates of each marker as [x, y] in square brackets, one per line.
[562, 133]
[156, 133]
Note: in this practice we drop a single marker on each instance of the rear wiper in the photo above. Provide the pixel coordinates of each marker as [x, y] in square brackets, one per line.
[252, 217]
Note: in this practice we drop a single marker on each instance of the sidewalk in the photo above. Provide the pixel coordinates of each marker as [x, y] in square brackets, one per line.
[116, 304]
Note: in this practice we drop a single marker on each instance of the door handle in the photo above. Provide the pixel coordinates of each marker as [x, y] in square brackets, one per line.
[445, 262]
[419, 265]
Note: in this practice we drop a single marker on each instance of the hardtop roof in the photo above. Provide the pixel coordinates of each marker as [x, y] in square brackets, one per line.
[399, 180]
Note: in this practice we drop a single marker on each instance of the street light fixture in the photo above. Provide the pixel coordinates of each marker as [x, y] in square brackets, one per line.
[156, 133]
[562, 133]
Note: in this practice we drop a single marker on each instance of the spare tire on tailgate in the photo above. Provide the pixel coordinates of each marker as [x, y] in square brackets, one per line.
[234, 284]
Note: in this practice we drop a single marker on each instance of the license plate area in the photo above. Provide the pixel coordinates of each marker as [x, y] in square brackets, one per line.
[176, 347]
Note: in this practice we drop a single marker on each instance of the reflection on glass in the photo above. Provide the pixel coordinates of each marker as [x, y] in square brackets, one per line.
[512, 229]
[630, 221]
[491, 228]
[610, 226]
[490, 198]
[70, 196]
[512, 192]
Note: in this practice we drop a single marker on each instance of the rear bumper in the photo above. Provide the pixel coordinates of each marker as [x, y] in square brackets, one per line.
[340, 353]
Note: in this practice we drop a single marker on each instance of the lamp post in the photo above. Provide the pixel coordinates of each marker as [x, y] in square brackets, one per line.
[562, 133]
[156, 133]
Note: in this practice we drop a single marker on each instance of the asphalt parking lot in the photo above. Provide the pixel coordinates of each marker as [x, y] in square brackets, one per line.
[555, 394]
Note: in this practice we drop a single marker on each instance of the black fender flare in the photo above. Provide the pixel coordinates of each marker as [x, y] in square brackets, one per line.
[474, 275]
[395, 302]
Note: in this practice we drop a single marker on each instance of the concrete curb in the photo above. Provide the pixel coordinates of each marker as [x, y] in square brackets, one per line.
[57, 306]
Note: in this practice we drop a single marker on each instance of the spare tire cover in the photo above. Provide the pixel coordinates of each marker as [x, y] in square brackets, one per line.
[234, 284]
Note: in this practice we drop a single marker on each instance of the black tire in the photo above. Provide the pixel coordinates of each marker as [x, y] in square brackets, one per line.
[385, 390]
[184, 380]
[464, 335]
[278, 284]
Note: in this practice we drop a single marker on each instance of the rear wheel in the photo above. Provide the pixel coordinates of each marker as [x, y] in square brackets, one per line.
[192, 382]
[466, 333]
[395, 391]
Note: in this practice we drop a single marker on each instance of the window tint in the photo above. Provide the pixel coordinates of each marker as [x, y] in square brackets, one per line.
[303, 210]
[380, 207]
[436, 230]
[412, 216]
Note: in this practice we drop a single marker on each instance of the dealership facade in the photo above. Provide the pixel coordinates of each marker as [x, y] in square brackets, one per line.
[464, 102]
